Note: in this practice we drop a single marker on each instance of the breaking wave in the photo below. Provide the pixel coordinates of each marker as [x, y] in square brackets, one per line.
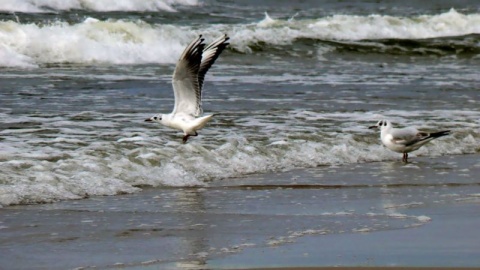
[42, 6]
[50, 161]
[93, 41]
[447, 32]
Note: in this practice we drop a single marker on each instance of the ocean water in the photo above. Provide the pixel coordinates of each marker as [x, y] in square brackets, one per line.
[297, 88]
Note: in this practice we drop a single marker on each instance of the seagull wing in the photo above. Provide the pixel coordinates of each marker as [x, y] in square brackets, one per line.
[209, 55]
[407, 136]
[186, 86]
[424, 137]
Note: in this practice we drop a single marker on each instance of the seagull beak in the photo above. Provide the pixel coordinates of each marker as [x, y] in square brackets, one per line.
[148, 120]
[372, 127]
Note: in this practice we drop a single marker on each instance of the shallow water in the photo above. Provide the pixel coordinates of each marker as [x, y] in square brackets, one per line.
[376, 214]
[297, 88]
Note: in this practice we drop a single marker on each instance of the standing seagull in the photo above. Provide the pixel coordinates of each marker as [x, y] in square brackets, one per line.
[187, 83]
[404, 140]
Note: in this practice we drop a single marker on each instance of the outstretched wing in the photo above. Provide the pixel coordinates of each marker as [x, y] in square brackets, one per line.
[190, 73]
[209, 55]
[185, 82]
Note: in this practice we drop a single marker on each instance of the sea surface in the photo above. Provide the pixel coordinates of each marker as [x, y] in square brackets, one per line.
[297, 88]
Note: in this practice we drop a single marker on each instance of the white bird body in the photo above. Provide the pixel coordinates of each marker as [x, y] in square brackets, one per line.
[187, 83]
[187, 123]
[405, 140]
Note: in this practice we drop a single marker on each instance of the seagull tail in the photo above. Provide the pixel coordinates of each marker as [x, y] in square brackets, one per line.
[202, 121]
[439, 134]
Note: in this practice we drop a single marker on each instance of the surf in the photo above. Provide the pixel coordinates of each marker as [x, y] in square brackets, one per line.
[126, 42]
[48, 6]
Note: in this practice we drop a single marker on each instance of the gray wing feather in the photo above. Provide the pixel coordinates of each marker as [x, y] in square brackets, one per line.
[190, 72]
[185, 79]
[408, 136]
[209, 55]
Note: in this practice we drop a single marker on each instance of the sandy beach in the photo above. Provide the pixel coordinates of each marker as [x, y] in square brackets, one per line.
[423, 214]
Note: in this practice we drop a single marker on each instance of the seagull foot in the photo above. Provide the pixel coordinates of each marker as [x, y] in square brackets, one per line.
[185, 138]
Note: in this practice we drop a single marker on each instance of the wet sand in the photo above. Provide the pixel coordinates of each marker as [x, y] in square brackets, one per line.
[423, 214]
[367, 268]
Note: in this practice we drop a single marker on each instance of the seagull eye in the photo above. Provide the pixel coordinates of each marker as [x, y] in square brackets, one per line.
[155, 118]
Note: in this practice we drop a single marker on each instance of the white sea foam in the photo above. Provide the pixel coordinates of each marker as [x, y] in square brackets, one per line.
[132, 139]
[137, 42]
[92, 41]
[424, 219]
[108, 168]
[451, 23]
[353, 28]
[93, 159]
[11, 58]
[39, 6]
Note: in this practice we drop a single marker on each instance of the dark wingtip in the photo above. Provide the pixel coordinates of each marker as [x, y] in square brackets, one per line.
[201, 38]
[440, 134]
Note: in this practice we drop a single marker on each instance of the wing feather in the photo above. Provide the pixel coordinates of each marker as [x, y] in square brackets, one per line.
[407, 136]
[185, 82]
[210, 54]
[190, 71]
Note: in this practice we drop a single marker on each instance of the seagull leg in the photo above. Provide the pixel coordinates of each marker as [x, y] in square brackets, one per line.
[405, 157]
[185, 138]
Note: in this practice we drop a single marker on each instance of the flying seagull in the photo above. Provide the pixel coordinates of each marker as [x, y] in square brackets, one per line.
[187, 83]
[404, 140]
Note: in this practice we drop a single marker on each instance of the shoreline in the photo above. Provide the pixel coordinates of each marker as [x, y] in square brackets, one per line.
[366, 268]
[367, 216]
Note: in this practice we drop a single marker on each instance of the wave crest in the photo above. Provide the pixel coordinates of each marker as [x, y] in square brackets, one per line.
[110, 168]
[378, 30]
[92, 41]
[42, 6]
[137, 42]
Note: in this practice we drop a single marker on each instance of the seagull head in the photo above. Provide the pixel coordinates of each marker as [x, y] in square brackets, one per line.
[156, 118]
[382, 124]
